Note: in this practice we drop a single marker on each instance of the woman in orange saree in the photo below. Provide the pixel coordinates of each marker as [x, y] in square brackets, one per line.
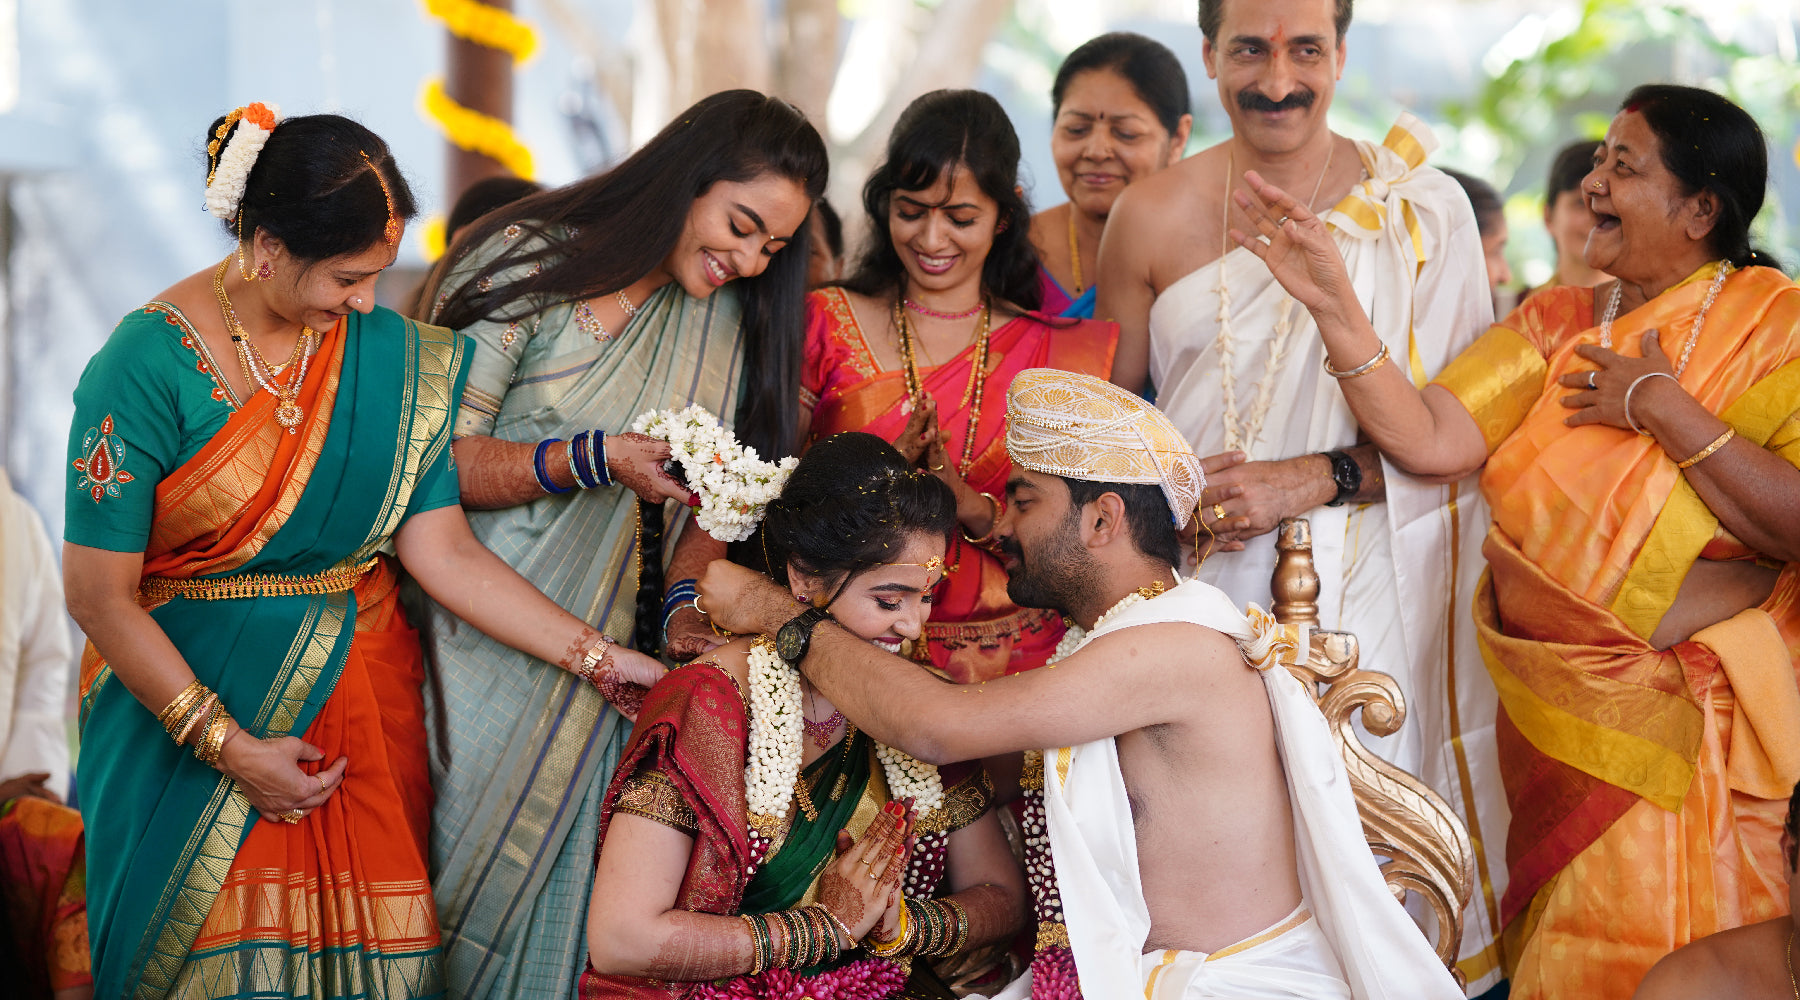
[1641, 614]
[949, 271]
[225, 559]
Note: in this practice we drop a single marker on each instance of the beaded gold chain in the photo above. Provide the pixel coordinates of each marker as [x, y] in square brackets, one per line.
[972, 393]
[288, 411]
[1712, 292]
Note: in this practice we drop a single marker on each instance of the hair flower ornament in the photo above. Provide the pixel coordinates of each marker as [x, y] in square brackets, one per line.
[734, 484]
[231, 172]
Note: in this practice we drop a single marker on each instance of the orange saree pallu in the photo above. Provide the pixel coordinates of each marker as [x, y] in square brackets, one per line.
[975, 632]
[263, 569]
[1647, 786]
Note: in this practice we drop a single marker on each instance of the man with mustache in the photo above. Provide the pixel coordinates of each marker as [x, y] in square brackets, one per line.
[1201, 830]
[1237, 365]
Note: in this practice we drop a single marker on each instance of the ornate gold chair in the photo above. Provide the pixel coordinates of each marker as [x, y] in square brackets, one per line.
[1424, 841]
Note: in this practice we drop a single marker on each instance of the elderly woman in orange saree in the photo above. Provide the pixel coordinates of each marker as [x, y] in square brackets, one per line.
[226, 522]
[1641, 615]
[949, 272]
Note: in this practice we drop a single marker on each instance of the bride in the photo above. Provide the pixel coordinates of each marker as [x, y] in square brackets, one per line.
[753, 840]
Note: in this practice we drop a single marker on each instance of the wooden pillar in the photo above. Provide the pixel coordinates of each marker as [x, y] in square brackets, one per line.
[480, 79]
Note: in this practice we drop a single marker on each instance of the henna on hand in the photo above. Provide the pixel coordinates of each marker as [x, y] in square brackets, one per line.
[690, 635]
[701, 947]
[636, 462]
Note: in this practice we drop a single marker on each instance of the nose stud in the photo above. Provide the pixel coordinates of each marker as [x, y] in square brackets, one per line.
[1596, 183]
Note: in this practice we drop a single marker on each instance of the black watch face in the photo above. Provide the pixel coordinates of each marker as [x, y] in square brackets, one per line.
[791, 641]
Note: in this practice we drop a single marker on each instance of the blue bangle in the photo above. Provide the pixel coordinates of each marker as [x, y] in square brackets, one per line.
[597, 457]
[575, 461]
[682, 591]
[537, 467]
[581, 460]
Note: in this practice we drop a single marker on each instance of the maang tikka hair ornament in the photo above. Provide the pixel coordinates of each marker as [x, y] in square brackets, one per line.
[391, 231]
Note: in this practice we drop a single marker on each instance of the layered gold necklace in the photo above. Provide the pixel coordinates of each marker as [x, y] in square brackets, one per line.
[288, 411]
[972, 393]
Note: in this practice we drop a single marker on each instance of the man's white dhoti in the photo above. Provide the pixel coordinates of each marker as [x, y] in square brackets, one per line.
[1400, 575]
[1379, 952]
[1292, 960]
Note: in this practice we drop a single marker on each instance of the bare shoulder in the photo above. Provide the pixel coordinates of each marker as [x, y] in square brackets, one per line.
[1729, 963]
[733, 660]
[1167, 199]
[1169, 650]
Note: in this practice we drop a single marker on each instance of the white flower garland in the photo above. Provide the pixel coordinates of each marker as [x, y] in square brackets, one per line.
[1076, 635]
[775, 752]
[735, 486]
[225, 189]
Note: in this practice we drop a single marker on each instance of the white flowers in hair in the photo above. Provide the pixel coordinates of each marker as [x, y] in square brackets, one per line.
[734, 484]
[225, 187]
[773, 761]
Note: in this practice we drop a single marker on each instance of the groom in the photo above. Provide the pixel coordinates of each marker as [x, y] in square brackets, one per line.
[1204, 837]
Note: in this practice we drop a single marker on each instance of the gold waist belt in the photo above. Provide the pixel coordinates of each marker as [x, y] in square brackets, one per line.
[221, 588]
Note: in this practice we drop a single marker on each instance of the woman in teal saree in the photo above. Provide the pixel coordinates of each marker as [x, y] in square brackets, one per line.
[673, 279]
[226, 524]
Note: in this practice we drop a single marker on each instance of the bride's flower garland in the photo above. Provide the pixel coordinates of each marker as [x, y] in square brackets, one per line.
[225, 186]
[734, 485]
[773, 761]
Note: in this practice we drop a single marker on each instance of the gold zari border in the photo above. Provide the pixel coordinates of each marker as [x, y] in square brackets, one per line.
[336, 580]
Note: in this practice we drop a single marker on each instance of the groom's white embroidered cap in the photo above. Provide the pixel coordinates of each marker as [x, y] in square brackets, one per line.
[1079, 427]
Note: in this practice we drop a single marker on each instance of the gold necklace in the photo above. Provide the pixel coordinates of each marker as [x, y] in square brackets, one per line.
[1075, 253]
[972, 393]
[288, 411]
[1792, 985]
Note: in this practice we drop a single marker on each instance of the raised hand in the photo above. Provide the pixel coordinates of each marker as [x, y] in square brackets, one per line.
[744, 601]
[635, 461]
[860, 886]
[1295, 244]
[921, 430]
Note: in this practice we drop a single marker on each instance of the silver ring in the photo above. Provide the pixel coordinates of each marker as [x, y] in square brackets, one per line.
[1591, 385]
[698, 608]
[1281, 222]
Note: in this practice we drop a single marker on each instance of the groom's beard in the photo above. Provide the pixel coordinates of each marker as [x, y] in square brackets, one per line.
[1054, 574]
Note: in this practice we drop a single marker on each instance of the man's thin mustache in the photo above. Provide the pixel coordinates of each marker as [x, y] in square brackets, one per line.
[1250, 100]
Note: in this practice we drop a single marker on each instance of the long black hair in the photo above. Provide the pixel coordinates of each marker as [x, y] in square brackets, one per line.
[1147, 64]
[603, 233]
[314, 186]
[850, 505]
[1711, 144]
[949, 130]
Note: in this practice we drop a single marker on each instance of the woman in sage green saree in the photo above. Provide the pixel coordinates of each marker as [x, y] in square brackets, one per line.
[675, 278]
[226, 523]
[755, 843]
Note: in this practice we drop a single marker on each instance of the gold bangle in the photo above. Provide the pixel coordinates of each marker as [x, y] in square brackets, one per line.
[179, 706]
[196, 723]
[1359, 371]
[895, 946]
[209, 746]
[992, 528]
[1701, 455]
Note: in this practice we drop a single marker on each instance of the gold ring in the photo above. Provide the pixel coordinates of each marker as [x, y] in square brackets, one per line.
[936, 468]
[697, 606]
[323, 787]
[292, 816]
[1218, 512]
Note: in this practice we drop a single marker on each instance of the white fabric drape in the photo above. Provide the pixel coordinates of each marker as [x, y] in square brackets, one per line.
[35, 657]
[1399, 575]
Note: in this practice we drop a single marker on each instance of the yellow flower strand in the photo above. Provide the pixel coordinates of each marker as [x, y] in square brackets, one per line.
[476, 132]
[485, 25]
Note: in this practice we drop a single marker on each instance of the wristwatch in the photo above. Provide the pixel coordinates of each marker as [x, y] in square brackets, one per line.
[1346, 474]
[793, 638]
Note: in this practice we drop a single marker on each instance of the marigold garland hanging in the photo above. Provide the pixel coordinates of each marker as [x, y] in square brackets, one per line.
[486, 25]
[478, 133]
